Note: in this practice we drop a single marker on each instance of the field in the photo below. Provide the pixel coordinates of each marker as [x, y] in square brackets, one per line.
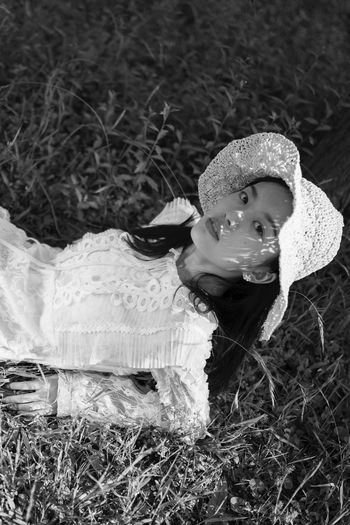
[108, 109]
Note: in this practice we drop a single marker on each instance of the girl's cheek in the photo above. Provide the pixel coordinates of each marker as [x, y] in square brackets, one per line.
[233, 257]
[244, 257]
[270, 249]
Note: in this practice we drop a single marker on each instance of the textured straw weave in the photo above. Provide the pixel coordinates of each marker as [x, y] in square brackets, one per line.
[309, 239]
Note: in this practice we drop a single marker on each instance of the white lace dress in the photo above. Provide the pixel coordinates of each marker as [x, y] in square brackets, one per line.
[96, 307]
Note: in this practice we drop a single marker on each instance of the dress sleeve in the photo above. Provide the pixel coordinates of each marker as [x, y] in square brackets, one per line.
[19, 238]
[176, 212]
[42, 251]
[180, 404]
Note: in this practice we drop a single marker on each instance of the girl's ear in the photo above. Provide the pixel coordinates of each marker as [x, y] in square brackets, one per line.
[259, 277]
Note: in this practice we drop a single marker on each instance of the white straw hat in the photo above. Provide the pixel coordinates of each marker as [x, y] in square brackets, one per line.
[309, 239]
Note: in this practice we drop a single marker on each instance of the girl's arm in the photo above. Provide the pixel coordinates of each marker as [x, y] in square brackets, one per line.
[180, 404]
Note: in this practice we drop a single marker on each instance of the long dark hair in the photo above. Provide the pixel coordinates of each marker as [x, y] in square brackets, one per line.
[240, 311]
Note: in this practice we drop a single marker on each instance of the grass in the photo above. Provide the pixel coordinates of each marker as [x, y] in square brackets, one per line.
[107, 110]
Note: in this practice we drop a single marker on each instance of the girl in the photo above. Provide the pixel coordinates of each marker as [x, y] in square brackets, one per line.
[165, 298]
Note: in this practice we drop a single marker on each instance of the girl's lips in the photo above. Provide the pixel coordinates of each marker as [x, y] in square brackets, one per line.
[211, 229]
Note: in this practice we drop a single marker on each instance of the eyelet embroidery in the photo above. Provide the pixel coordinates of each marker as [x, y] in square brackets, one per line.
[105, 264]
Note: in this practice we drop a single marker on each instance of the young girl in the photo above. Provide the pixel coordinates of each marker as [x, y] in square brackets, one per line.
[166, 298]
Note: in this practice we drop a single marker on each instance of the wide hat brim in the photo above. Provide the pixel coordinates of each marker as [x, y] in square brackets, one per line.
[311, 236]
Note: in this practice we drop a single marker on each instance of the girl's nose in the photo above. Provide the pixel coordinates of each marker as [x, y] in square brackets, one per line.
[234, 218]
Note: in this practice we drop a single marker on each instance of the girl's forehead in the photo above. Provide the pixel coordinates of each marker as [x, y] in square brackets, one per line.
[273, 196]
[264, 189]
[270, 185]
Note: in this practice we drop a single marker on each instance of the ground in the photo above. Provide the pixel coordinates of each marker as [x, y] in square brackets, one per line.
[109, 109]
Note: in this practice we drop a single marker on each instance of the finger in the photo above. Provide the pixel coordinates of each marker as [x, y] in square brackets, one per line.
[25, 385]
[34, 413]
[29, 407]
[21, 398]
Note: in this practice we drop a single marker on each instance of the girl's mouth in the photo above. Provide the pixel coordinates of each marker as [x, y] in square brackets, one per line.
[211, 229]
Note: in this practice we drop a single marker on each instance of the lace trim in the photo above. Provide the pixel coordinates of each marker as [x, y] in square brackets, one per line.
[181, 346]
[99, 399]
[145, 290]
[79, 251]
[103, 327]
[180, 404]
[108, 266]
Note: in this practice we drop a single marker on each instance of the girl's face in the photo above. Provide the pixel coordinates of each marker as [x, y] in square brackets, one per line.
[241, 231]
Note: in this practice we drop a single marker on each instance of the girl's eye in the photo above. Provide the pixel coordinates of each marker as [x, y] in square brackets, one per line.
[245, 197]
[259, 229]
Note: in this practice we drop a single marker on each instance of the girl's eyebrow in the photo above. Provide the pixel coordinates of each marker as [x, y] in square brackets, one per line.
[266, 215]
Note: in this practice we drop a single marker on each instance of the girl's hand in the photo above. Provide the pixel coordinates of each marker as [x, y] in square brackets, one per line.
[42, 401]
